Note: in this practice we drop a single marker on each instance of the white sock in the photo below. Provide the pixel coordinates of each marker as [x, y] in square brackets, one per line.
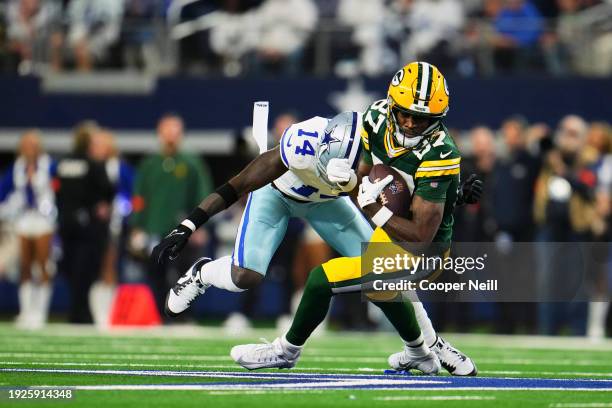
[421, 315]
[100, 301]
[417, 348]
[291, 349]
[25, 302]
[41, 304]
[596, 326]
[218, 273]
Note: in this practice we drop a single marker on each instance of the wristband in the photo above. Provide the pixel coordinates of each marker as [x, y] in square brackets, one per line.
[382, 216]
[228, 194]
[197, 217]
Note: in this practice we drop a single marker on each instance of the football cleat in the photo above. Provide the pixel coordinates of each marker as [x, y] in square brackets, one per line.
[453, 360]
[414, 358]
[266, 355]
[187, 289]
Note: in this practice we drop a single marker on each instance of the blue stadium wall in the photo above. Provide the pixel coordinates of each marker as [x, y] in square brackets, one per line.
[225, 104]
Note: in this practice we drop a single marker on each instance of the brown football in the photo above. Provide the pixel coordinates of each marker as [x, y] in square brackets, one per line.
[396, 195]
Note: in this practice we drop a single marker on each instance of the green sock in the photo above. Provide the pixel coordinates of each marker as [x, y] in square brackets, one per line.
[402, 317]
[312, 309]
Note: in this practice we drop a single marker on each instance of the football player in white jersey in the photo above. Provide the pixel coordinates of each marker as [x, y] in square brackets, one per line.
[308, 175]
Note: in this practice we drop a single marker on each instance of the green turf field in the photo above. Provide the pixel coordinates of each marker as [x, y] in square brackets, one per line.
[185, 366]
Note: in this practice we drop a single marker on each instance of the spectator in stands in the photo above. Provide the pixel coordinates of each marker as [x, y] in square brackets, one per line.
[513, 180]
[138, 34]
[562, 44]
[29, 203]
[168, 185]
[84, 201]
[121, 176]
[366, 18]
[282, 30]
[511, 192]
[518, 29]
[94, 26]
[600, 138]
[563, 209]
[34, 34]
[435, 29]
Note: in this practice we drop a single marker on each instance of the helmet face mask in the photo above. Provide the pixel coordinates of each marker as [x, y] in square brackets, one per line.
[419, 90]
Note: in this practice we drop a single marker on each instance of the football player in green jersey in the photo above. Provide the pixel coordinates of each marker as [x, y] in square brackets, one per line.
[404, 131]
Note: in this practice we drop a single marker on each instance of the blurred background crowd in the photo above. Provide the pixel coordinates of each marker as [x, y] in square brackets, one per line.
[292, 37]
[86, 221]
[95, 165]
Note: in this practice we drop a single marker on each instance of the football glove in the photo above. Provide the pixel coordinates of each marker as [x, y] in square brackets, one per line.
[369, 192]
[339, 172]
[171, 245]
[469, 191]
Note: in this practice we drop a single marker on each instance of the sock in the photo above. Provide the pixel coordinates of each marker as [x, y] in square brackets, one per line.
[401, 315]
[312, 308]
[25, 302]
[429, 333]
[289, 348]
[218, 273]
[417, 348]
[596, 320]
[100, 302]
[40, 304]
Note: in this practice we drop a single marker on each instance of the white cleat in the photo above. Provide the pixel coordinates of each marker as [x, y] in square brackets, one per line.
[187, 289]
[266, 355]
[414, 358]
[453, 360]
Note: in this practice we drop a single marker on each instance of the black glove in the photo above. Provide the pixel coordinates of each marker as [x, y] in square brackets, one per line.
[170, 246]
[469, 191]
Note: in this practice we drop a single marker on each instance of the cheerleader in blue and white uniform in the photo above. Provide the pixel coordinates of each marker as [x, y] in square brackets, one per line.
[28, 202]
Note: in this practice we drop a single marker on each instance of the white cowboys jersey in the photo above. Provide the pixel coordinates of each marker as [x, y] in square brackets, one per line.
[301, 147]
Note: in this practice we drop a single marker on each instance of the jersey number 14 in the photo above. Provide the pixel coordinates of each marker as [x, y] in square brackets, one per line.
[306, 148]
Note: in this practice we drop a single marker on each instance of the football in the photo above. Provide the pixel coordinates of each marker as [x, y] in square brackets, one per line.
[396, 195]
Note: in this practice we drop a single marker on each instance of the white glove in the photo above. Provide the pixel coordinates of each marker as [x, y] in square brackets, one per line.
[369, 192]
[339, 171]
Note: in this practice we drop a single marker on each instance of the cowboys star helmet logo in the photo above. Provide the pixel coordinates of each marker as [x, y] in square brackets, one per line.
[397, 78]
[328, 139]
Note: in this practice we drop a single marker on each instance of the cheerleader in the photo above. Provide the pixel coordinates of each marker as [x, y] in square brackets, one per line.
[28, 201]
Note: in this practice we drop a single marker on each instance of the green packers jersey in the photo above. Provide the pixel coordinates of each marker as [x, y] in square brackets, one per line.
[431, 169]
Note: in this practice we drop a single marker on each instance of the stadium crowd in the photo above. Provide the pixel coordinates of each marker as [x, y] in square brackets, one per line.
[90, 219]
[290, 37]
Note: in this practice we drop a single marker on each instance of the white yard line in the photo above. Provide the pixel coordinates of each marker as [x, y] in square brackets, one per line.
[576, 373]
[318, 369]
[435, 398]
[296, 386]
[203, 366]
[580, 405]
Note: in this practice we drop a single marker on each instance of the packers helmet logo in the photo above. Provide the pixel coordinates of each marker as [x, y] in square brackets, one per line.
[397, 78]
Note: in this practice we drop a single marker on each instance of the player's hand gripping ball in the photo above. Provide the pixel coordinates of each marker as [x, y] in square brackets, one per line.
[396, 194]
